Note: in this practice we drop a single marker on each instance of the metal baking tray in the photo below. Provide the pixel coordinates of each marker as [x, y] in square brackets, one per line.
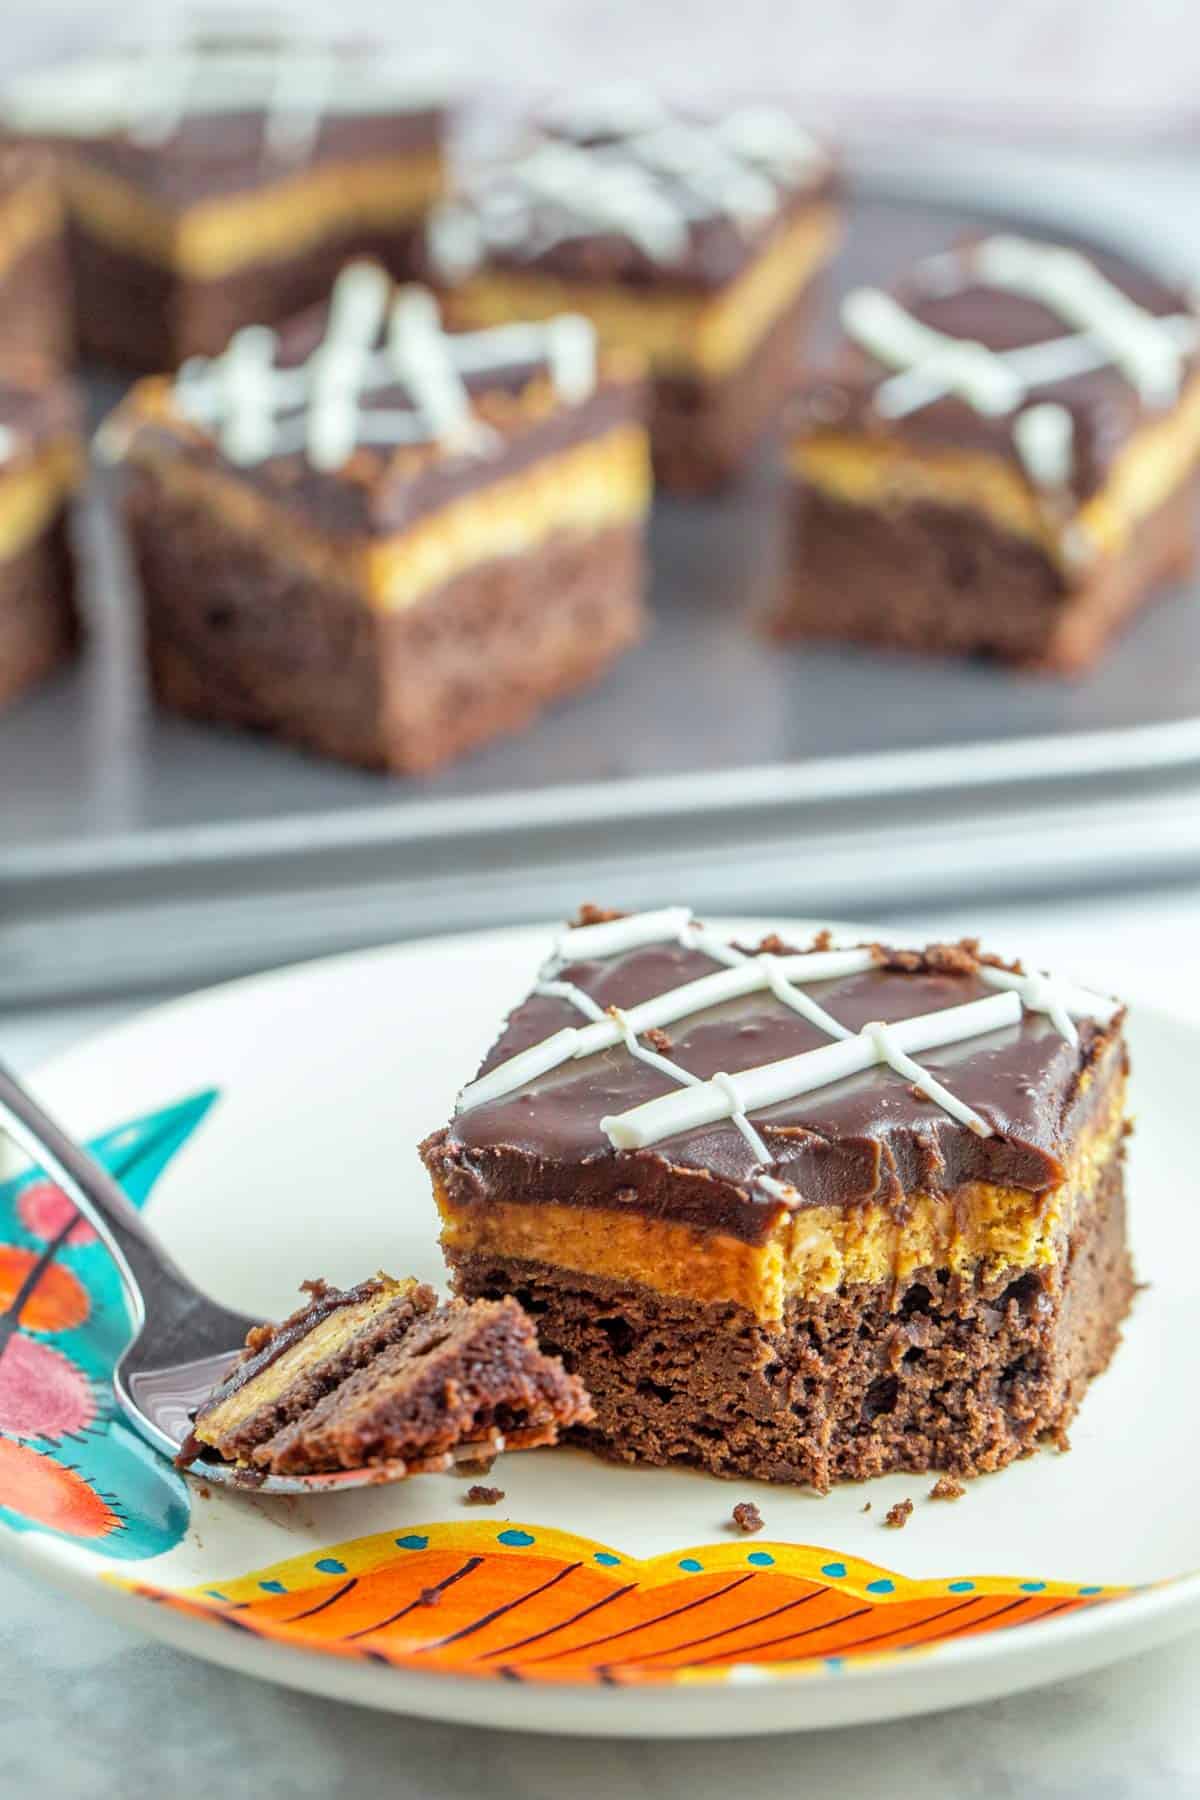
[136, 848]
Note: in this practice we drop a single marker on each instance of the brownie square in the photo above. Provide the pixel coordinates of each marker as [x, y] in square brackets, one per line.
[695, 241]
[35, 306]
[41, 465]
[215, 184]
[1002, 459]
[807, 1215]
[380, 540]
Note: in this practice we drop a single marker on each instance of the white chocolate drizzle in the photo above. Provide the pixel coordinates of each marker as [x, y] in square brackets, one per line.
[791, 1076]
[1070, 284]
[958, 366]
[1045, 437]
[731, 1097]
[178, 71]
[619, 160]
[378, 340]
[1111, 331]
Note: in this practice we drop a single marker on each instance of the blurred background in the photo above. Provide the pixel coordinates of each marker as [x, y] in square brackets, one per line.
[136, 859]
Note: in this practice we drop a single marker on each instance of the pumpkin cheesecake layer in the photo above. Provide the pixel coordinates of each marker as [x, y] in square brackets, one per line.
[975, 1231]
[693, 241]
[961, 1185]
[419, 583]
[381, 1373]
[1001, 459]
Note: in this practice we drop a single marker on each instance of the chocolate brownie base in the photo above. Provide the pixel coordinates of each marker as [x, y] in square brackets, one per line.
[35, 305]
[460, 1376]
[701, 432]
[141, 315]
[939, 1374]
[938, 579]
[236, 635]
[39, 625]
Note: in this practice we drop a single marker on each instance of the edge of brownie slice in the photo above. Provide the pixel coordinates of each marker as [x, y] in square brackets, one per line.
[286, 1369]
[468, 1373]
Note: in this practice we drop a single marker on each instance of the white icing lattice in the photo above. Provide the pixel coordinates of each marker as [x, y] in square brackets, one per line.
[183, 67]
[1112, 331]
[733, 1096]
[620, 161]
[379, 341]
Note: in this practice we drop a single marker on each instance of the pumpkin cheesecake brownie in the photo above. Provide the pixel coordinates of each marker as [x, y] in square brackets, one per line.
[381, 1373]
[212, 184]
[35, 307]
[694, 240]
[1002, 459]
[808, 1214]
[41, 466]
[382, 541]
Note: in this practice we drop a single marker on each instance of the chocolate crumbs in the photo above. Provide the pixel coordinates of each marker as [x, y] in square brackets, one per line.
[596, 915]
[747, 1517]
[478, 1495]
[899, 1515]
[946, 1488]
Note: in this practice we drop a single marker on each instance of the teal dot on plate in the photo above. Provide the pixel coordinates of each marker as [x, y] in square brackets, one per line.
[1091, 1590]
[691, 1565]
[214, 1594]
[329, 1565]
[414, 1541]
[881, 1587]
[516, 1538]
[835, 1571]
[762, 1559]
[272, 1587]
[961, 1587]
[1032, 1587]
[607, 1558]
[835, 1662]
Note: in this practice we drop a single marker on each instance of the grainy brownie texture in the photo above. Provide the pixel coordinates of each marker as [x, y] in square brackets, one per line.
[804, 1215]
[1001, 461]
[398, 569]
[694, 241]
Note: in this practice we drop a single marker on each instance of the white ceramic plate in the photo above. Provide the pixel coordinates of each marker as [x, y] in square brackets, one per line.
[269, 1128]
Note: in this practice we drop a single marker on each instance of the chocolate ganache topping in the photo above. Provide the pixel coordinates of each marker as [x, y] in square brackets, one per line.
[410, 418]
[872, 1136]
[1057, 323]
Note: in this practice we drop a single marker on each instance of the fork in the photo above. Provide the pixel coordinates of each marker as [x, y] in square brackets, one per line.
[182, 1343]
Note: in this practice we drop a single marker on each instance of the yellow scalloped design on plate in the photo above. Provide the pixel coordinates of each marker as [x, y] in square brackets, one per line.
[517, 1602]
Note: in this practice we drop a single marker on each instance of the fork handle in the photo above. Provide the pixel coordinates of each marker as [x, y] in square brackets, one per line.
[142, 1263]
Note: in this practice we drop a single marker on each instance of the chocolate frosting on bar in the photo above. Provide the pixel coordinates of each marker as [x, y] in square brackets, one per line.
[521, 225]
[376, 495]
[871, 1137]
[945, 293]
[209, 156]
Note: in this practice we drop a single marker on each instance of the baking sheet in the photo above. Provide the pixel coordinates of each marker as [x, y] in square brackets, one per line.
[104, 804]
